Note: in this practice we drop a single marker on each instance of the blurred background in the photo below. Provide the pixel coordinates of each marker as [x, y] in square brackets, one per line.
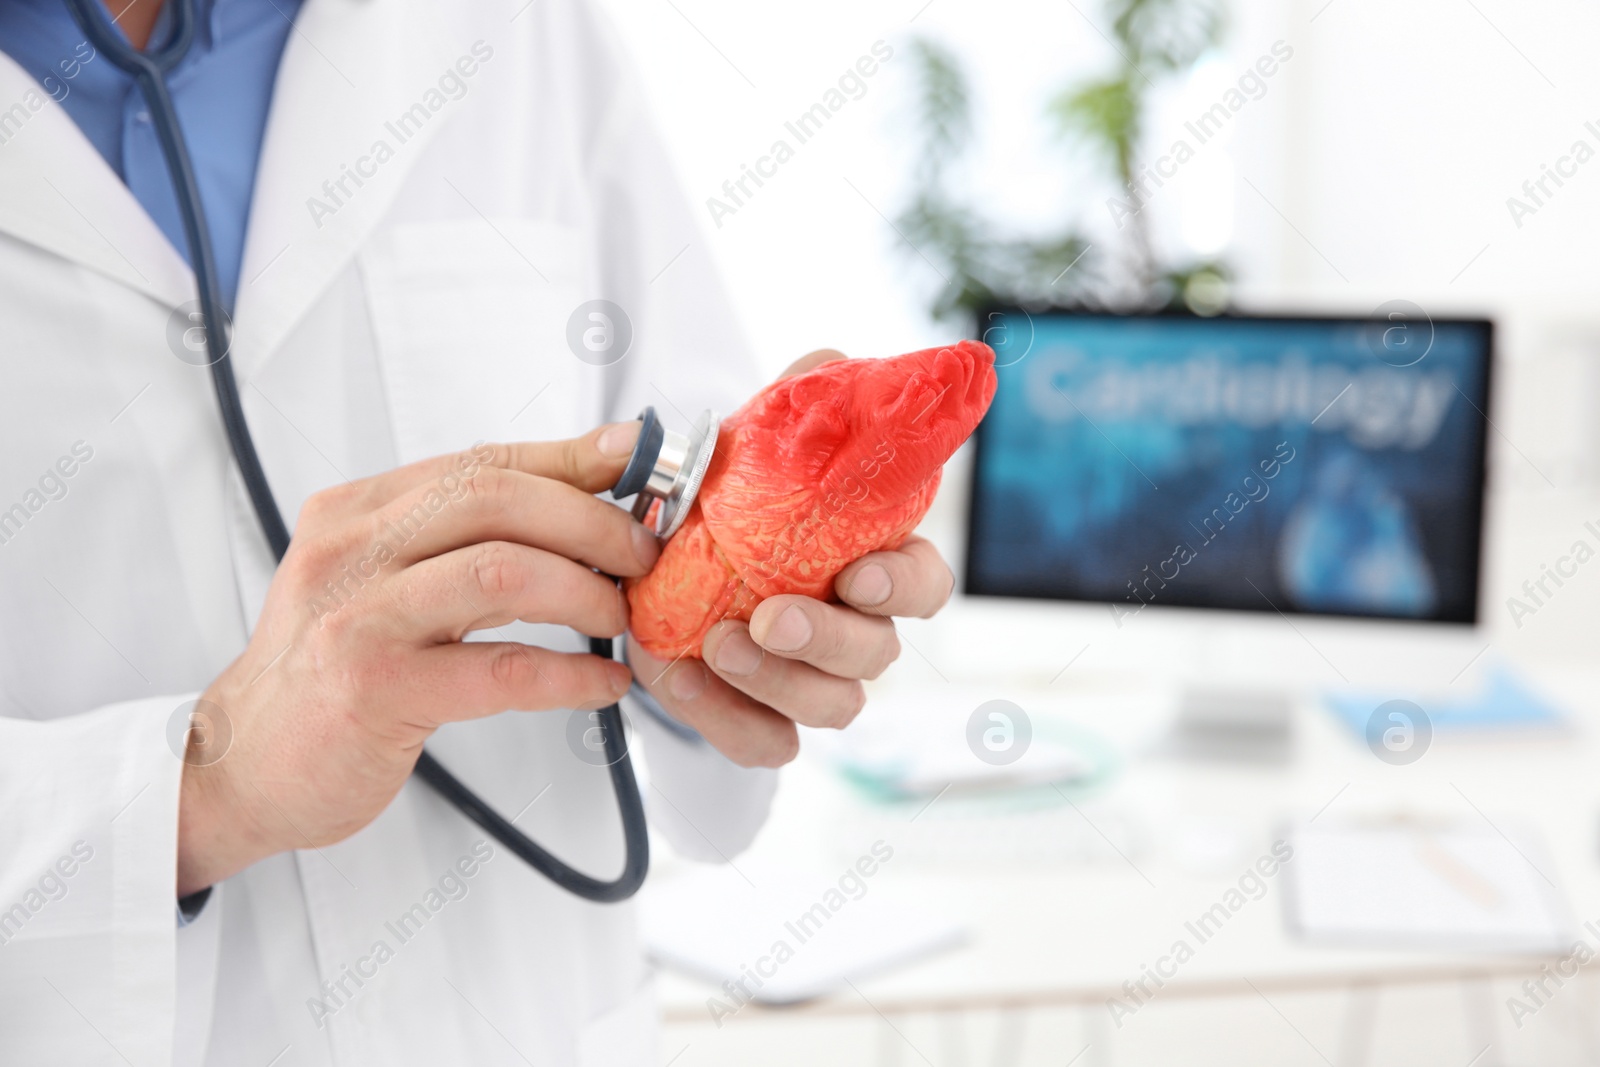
[1428, 888]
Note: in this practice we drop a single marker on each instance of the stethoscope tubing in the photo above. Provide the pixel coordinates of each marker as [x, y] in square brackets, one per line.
[148, 71]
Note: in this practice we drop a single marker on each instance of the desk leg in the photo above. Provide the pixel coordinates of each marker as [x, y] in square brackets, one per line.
[1010, 1028]
[889, 1042]
[1097, 1033]
[1588, 1018]
[953, 1038]
[1360, 1019]
[1477, 1001]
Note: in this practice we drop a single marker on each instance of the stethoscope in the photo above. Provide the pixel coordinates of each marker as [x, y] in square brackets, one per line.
[665, 466]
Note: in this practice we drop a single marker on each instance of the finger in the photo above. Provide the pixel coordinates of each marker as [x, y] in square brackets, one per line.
[478, 678]
[837, 639]
[495, 582]
[810, 360]
[739, 727]
[798, 691]
[592, 463]
[913, 581]
[506, 505]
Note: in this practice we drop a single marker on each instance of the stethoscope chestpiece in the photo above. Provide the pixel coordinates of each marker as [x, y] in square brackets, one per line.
[668, 467]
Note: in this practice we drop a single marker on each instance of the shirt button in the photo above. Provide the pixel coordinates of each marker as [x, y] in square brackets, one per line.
[143, 116]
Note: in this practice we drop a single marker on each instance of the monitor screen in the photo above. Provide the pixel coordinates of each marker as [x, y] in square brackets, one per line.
[1319, 465]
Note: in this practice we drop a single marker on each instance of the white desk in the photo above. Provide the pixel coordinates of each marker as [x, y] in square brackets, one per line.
[1074, 932]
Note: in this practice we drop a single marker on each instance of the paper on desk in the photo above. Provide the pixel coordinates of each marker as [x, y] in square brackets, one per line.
[1459, 888]
[793, 936]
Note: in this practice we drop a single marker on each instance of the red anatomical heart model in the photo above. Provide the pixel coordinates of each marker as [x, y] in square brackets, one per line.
[814, 472]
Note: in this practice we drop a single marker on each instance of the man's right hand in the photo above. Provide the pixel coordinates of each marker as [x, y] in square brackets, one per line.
[358, 655]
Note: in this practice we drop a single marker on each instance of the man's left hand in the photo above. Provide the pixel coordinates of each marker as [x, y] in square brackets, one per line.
[798, 660]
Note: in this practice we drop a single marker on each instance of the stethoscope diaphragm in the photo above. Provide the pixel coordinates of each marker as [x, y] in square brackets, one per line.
[669, 467]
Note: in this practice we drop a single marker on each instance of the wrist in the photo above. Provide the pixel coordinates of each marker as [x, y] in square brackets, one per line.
[202, 839]
[217, 834]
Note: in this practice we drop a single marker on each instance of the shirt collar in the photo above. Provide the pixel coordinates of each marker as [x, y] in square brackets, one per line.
[208, 19]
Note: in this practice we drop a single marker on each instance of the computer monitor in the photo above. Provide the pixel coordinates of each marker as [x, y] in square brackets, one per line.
[1299, 464]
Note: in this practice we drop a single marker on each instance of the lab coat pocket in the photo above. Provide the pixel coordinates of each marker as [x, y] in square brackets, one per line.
[470, 318]
[625, 1035]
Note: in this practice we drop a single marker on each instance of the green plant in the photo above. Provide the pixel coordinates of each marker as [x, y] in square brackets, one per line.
[1152, 39]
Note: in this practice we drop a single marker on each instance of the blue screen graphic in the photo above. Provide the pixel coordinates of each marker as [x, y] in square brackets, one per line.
[1310, 465]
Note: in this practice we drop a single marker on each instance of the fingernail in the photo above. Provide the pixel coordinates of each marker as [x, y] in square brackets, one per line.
[871, 585]
[687, 679]
[738, 654]
[791, 632]
[621, 679]
[618, 439]
[645, 546]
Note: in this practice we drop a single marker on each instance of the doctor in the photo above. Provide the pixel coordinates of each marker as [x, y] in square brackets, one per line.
[412, 205]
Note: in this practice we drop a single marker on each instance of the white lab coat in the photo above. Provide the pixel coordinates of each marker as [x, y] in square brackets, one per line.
[427, 311]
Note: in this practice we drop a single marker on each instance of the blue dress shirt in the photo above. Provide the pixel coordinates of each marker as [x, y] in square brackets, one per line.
[221, 89]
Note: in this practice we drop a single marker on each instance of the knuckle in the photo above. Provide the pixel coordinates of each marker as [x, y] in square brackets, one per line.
[333, 628]
[570, 461]
[843, 711]
[487, 456]
[478, 490]
[508, 670]
[888, 653]
[324, 505]
[497, 571]
[360, 675]
[786, 748]
[487, 494]
[311, 558]
[774, 753]
[829, 643]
